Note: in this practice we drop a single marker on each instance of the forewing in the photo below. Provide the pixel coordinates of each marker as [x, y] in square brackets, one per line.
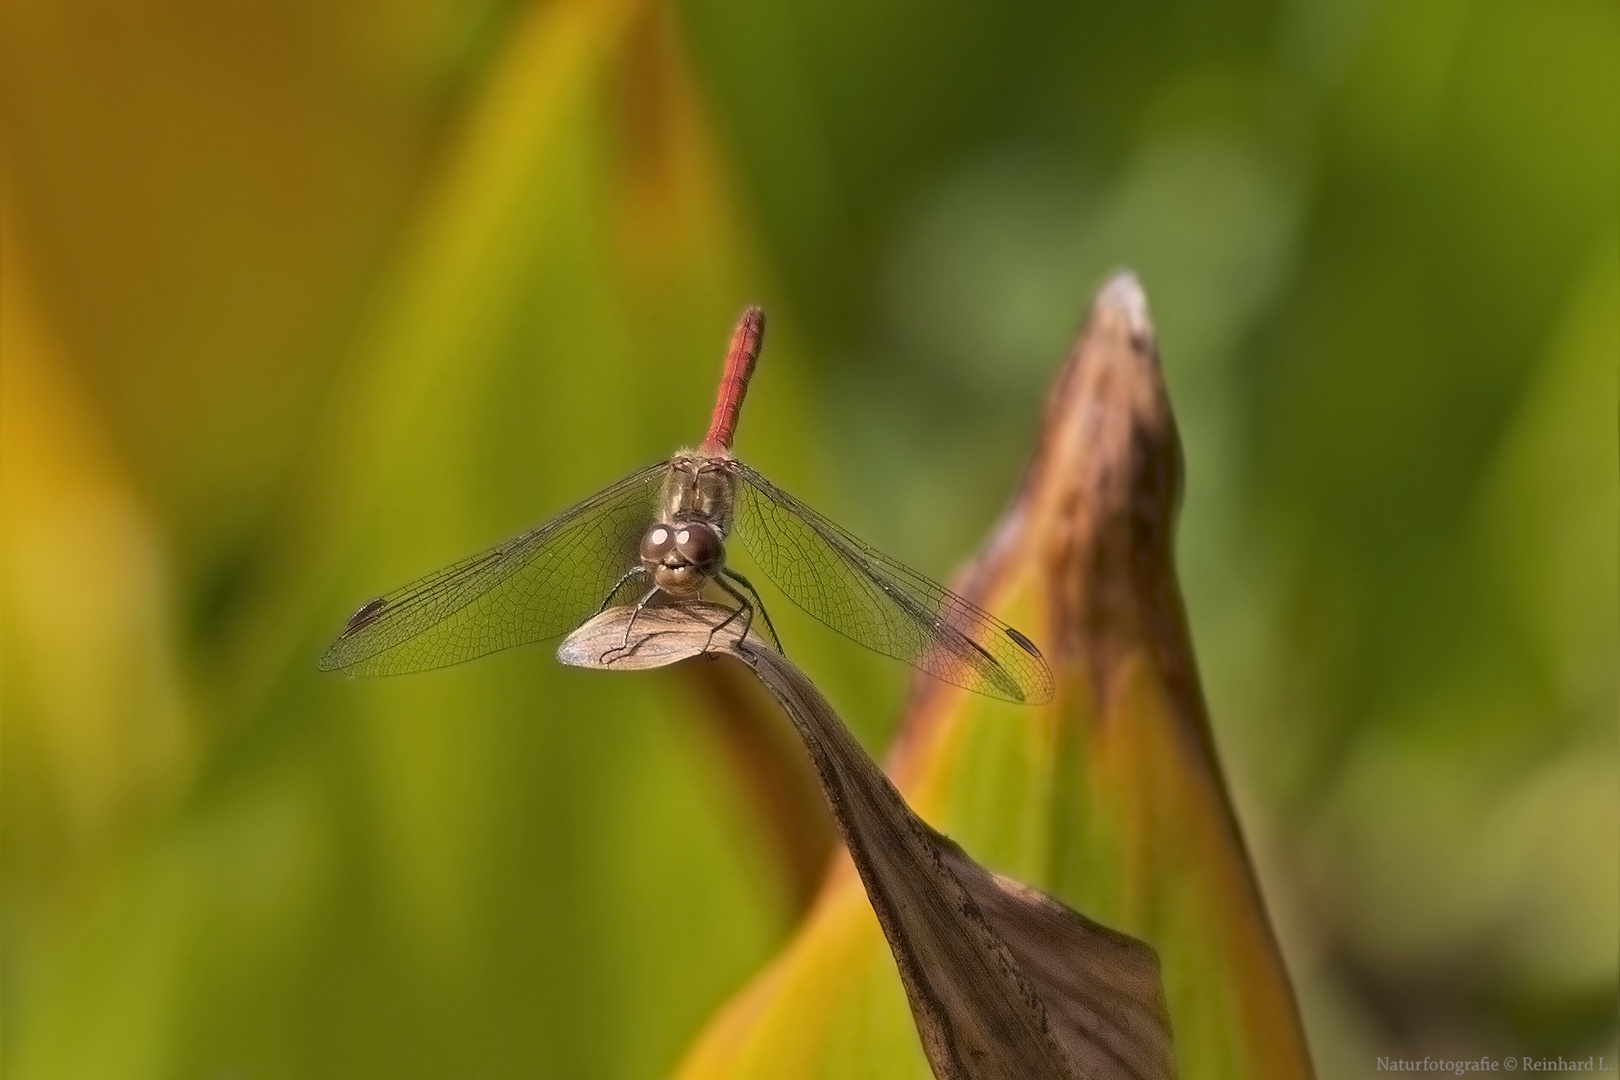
[888, 607]
[532, 587]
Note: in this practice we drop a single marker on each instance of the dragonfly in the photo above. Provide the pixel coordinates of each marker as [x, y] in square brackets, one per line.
[659, 536]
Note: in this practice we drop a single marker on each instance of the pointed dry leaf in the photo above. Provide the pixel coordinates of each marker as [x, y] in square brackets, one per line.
[1109, 798]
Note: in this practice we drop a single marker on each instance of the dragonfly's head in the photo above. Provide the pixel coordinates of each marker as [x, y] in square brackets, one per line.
[682, 556]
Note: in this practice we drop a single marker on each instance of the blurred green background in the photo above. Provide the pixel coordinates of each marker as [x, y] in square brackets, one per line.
[301, 300]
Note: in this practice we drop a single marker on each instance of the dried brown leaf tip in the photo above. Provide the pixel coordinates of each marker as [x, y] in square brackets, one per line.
[1144, 835]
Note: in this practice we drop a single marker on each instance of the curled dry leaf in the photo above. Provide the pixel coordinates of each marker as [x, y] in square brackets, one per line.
[1003, 981]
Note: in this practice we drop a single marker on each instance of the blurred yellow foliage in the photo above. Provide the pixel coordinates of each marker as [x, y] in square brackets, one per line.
[298, 301]
[96, 712]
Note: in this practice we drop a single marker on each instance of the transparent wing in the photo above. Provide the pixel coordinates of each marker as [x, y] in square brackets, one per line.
[888, 607]
[532, 587]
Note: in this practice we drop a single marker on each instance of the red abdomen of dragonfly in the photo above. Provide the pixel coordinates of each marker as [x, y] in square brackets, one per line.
[745, 344]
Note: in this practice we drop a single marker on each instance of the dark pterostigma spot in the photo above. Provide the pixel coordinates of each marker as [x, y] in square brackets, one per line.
[368, 614]
[1023, 643]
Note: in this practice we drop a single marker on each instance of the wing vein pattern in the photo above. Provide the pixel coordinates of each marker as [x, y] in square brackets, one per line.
[535, 586]
[884, 605]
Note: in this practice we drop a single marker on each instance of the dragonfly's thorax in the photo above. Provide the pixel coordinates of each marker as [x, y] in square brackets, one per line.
[699, 488]
[687, 547]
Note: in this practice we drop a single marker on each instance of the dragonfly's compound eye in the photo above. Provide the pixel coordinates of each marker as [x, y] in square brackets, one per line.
[699, 544]
[656, 543]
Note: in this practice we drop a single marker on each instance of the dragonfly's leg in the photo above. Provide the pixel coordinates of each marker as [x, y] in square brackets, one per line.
[640, 604]
[757, 604]
[744, 608]
[625, 645]
[617, 585]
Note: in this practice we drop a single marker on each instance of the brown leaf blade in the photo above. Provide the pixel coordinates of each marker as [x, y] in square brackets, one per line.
[1102, 989]
[1003, 982]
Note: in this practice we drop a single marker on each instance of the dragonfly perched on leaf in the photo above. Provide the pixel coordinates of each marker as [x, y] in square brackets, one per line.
[659, 536]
